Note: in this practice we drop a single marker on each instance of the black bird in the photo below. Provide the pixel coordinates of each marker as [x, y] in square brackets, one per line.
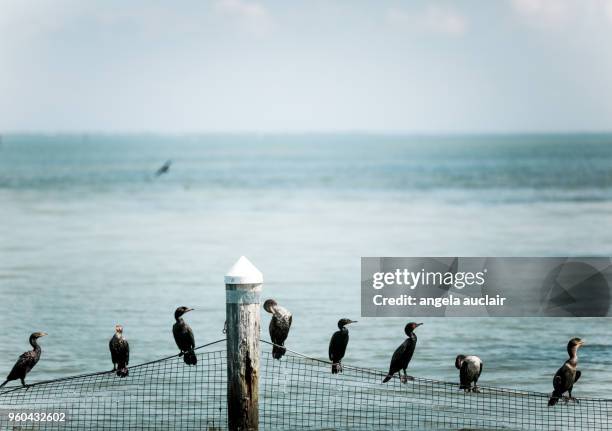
[403, 354]
[338, 343]
[470, 368]
[163, 168]
[279, 326]
[183, 335]
[26, 361]
[120, 352]
[567, 375]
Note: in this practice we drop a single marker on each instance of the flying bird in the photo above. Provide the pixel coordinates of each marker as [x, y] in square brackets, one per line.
[470, 368]
[403, 354]
[163, 168]
[26, 361]
[567, 375]
[338, 343]
[120, 352]
[279, 326]
[183, 335]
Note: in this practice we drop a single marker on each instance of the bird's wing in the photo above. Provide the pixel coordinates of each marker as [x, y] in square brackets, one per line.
[176, 333]
[410, 345]
[337, 345]
[563, 380]
[467, 374]
[279, 329]
[183, 336]
[125, 347]
[332, 342]
[190, 336]
[24, 364]
[578, 374]
[396, 359]
[120, 350]
[113, 350]
[557, 382]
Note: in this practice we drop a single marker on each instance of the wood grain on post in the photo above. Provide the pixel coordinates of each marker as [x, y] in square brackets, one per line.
[243, 284]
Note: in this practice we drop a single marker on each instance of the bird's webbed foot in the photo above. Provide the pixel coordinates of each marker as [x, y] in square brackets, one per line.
[476, 389]
[403, 379]
[574, 399]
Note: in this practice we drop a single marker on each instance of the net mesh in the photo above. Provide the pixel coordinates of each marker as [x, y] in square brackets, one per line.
[297, 392]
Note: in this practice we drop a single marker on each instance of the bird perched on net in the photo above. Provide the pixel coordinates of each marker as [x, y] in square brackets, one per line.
[568, 374]
[279, 326]
[338, 343]
[183, 336]
[403, 354]
[26, 361]
[120, 352]
[470, 368]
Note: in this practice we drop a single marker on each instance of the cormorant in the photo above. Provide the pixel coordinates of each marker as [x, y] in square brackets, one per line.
[567, 375]
[163, 168]
[338, 343]
[279, 326]
[470, 368]
[183, 335]
[403, 354]
[26, 361]
[120, 352]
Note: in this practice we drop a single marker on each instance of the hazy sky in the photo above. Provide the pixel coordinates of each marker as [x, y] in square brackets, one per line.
[351, 65]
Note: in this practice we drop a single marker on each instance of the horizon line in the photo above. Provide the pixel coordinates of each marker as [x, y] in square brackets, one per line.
[306, 132]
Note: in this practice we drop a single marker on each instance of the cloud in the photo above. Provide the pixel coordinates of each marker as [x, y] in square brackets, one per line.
[607, 4]
[432, 19]
[544, 12]
[558, 13]
[251, 15]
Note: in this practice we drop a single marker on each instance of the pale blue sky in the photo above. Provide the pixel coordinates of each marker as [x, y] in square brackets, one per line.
[290, 66]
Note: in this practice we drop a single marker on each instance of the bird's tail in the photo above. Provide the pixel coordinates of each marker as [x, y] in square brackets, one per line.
[336, 368]
[123, 372]
[278, 351]
[5, 382]
[554, 399]
[386, 379]
[190, 357]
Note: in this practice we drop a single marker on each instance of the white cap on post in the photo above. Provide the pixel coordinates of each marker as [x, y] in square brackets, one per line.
[243, 272]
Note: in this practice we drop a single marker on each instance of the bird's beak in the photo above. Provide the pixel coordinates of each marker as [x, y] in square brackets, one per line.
[418, 324]
[42, 334]
[189, 309]
[353, 321]
[582, 342]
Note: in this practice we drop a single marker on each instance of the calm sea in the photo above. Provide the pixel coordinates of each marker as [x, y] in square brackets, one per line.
[90, 238]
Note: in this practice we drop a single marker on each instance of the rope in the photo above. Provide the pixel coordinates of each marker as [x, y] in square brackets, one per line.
[371, 371]
[101, 373]
[383, 374]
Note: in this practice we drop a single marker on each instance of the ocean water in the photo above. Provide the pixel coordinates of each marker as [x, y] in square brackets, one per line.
[90, 238]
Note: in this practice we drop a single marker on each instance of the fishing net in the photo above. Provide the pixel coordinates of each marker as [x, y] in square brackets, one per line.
[296, 393]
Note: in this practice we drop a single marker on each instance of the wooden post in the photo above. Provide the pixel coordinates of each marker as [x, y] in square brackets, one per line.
[242, 290]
